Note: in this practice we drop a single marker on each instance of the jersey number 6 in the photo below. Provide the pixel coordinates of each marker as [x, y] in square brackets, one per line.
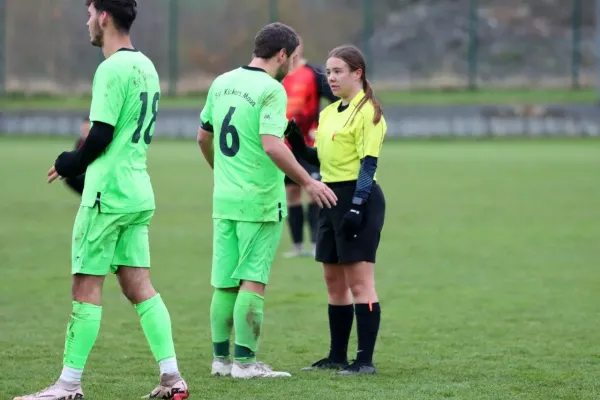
[142, 118]
[228, 129]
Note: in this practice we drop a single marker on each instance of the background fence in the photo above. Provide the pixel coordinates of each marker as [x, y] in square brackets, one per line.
[44, 44]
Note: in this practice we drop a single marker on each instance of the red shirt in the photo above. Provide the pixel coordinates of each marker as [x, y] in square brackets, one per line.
[303, 100]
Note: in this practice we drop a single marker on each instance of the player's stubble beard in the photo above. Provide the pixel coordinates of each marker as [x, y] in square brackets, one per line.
[97, 35]
[282, 71]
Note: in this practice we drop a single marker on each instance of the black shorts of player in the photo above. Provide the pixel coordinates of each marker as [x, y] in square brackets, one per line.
[332, 245]
[312, 170]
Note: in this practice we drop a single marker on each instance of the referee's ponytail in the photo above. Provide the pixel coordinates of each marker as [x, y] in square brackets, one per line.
[352, 56]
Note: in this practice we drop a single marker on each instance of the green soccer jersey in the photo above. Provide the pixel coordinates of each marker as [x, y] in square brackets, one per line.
[243, 105]
[125, 94]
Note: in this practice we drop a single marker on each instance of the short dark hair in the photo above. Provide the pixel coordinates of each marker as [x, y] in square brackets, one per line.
[123, 12]
[272, 38]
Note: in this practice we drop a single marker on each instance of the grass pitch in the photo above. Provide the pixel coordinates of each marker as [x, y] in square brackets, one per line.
[488, 276]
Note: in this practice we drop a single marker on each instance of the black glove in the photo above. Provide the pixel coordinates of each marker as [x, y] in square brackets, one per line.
[353, 221]
[295, 137]
[66, 164]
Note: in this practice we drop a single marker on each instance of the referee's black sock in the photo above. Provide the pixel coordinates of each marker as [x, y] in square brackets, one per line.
[313, 221]
[340, 326]
[367, 327]
[296, 222]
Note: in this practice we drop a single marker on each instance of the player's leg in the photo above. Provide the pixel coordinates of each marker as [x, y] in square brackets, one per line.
[295, 217]
[94, 239]
[340, 309]
[131, 263]
[258, 244]
[224, 262]
[312, 211]
[360, 254]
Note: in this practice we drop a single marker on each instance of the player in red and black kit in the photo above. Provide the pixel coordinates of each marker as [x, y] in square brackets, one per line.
[305, 86]
[76, 183]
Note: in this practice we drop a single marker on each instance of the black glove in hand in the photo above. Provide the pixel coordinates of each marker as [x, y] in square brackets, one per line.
[352, 221]
[295, 137]
[66, 164]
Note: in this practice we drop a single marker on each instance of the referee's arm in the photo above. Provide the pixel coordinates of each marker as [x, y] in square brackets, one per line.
[368, 146]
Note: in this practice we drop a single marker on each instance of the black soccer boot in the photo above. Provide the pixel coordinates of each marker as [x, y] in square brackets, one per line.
[327, 363]
[357, 368]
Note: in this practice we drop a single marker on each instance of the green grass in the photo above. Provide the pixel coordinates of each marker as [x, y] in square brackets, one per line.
[488, 278]
[388, 97]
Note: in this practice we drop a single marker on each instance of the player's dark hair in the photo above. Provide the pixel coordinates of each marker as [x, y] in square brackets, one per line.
[272, 38]
[352, 56]
[123, 12]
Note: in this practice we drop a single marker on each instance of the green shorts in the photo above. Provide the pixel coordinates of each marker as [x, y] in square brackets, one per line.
[103, 242]
[243, 251]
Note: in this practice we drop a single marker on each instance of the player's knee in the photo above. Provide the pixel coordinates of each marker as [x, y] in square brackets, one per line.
[255, 287]
[135, 284]
[87, 289]
[335, 279]
[359, 288]
[361, 285]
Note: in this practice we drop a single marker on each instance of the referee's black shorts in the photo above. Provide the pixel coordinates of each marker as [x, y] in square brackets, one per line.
[332, 245]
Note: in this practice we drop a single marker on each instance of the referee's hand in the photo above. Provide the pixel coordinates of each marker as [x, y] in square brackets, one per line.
[321, 193]
[352, 222]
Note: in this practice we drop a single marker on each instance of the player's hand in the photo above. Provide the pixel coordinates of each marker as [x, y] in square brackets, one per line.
[53, 175]
[321, 194]
[352, 221]
[295, 137]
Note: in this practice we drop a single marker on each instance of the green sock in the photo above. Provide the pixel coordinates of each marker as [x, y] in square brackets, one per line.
[221, 321]
[156, 324]
[248, 318]
[82, 332]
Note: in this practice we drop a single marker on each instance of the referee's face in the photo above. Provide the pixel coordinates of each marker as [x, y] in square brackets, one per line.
[341, 80]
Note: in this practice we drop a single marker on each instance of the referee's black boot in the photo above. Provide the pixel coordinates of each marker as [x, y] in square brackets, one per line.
[327, 363]
[358, 368]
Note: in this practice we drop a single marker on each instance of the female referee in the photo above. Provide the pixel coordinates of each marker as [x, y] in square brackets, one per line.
[347, 146]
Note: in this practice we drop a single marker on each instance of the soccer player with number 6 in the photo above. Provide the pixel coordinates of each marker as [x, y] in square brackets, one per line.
[246, 111]
[111, 228]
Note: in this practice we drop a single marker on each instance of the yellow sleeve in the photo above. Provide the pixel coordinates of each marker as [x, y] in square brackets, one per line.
[369, 137]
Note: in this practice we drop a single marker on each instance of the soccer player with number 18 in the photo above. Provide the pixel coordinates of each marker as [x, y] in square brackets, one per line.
[111, 228]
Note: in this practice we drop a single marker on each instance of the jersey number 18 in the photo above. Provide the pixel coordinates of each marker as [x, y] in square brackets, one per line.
[142, 118]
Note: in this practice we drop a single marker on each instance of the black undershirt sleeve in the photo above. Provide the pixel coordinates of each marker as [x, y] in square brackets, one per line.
[70, 164]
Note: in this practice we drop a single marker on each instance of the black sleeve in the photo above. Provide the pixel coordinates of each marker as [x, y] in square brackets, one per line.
[73, 163]
[311, 156]
[299, 147]
[368, 166]
[207, 126]
[76, 183]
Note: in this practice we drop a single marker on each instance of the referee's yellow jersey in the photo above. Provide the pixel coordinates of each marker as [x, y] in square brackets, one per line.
[344, 138]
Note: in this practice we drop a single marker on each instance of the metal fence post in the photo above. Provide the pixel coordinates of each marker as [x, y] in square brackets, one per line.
[472, 54]
[576, 56]
[2, 47]
[173, 43]
[368, 17]
[597, 51]
[273, 11]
